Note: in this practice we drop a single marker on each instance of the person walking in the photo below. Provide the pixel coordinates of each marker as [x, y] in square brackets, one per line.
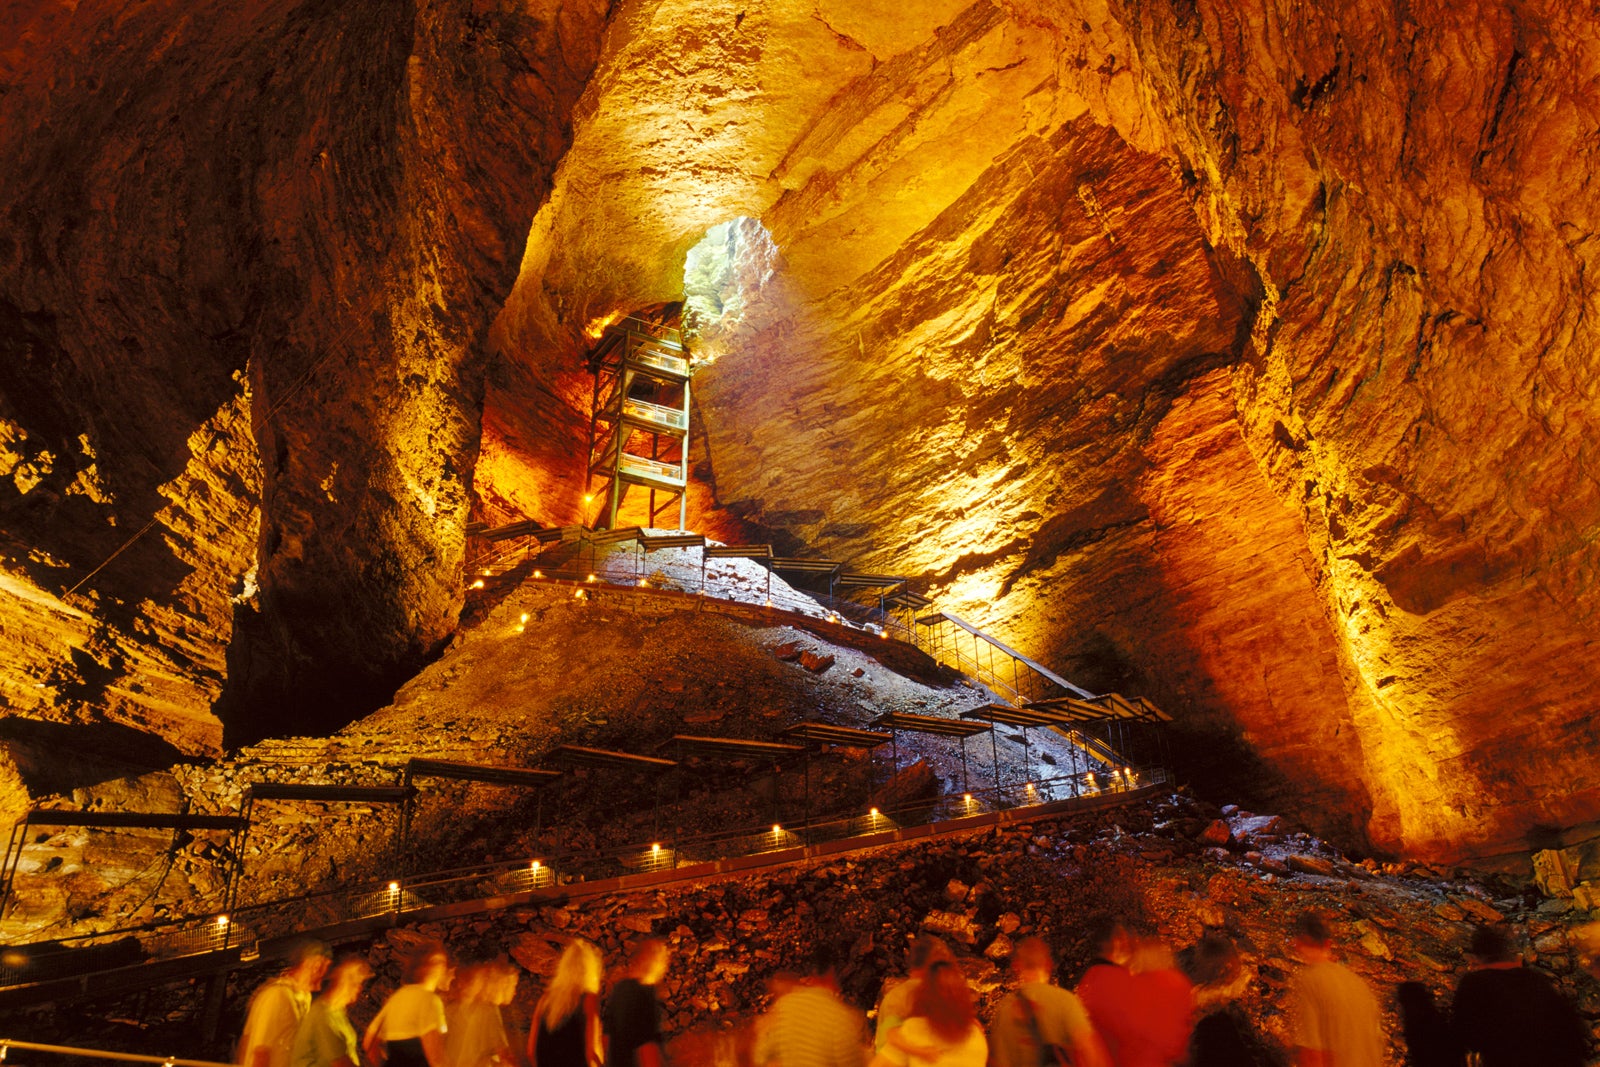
[1333, 1016]
[409, 1030]
[477, 1035]
[894, 1005]
[278, 1007]
[1041, 1022]
[943, 1029]
[1224, 1036]
[1512, 1016]
[325, 1037]
[1165, 1007]
[1107, 989]
[809, 1026]
[633, 1014]
[566, 1020]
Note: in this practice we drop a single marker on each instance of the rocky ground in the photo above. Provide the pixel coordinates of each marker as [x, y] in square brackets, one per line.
[510, 688]
[1183, 867]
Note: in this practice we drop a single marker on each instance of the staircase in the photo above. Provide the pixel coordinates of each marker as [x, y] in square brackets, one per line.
[639, 422]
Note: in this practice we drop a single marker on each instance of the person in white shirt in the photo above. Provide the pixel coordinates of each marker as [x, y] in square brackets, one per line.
[277, 1007]
[409, 1030]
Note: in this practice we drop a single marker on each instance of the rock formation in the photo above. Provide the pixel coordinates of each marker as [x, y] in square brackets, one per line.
[1233, 353]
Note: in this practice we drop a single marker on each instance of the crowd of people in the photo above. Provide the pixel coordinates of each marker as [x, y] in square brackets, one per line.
[1134, 1006]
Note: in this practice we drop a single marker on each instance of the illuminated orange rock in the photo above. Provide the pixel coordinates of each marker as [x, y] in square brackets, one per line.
[1237, 355]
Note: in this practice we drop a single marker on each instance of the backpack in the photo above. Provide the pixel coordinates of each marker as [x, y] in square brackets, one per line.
[1049, 1055]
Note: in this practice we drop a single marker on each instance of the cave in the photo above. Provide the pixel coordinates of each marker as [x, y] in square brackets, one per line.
[1231, 355]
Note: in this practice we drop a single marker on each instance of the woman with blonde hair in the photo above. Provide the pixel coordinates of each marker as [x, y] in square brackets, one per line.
[943, 1029]
[566, 1021]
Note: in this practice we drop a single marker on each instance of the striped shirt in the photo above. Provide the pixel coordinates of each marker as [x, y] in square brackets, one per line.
[811, 1027]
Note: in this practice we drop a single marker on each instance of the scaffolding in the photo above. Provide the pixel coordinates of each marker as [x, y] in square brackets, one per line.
[639, 422]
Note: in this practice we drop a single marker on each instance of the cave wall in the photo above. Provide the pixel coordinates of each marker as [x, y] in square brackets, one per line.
[248, 260]
[1232, 353]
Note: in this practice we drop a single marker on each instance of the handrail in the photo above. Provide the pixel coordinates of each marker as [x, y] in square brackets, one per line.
[6, 1045]
[1038, 668]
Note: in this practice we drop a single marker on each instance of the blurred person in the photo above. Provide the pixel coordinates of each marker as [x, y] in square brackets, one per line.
[477, 1034]
[280, 1005]
[633, 1013]
[566, 1020]
[325, 1037]
[1511, 1016]
[809, 1025]
[1426, 1029]
[1106, 988]
[1165, 1011]
[943, 1029]
[1223, 1036]
[1040, 1018]
[1333, 1016]
[894, 1006]
[409, 1030]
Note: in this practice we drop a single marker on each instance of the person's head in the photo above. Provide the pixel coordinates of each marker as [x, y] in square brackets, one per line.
[926, 950]
[429, 965]
[822, 968]
[1490, 945]
[502, 989]
[944, 999]
[649, 961]
[1032, 960]
[1313, 937]
[1214, 962]
[471, 983]
[1151, 954]
[345, 980]
[577, 975]
[308, 962]
[1110, 939]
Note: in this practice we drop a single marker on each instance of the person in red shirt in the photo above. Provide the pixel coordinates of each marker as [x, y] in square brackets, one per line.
[1107, 988]
[1165, 1011]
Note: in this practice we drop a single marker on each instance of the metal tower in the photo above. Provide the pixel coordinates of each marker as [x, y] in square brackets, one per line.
[639, 428]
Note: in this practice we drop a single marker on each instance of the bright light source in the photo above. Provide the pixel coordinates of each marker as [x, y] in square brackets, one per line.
[590, 578]
[538, 574]
[394, 887]
[873, 813]
[478, 584]
[487, 572]
[655, 848]
[967, 798]
[644, 583]
[776, 829]
[534, 866]
[588, 498]
[222, 920]
[524, 619]
[1030, 787]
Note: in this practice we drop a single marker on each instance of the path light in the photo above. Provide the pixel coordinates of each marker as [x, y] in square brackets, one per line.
[487, 572]
[776, 829]
[222, 920]
[654, 849]
[538, 574]
[590, 578]
[524, 619]
[478, 584]
[394, 887]
[873, 813]
[588, 498]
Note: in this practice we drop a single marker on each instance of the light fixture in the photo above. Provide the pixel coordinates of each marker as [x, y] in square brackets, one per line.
[873, 813]
[222, 920]
[534, 866]
[538, 574]
[590, 578]
[588, 498]
[654, 849]
[477, 584]
[394, 887]
[776, 829]
[524, 619]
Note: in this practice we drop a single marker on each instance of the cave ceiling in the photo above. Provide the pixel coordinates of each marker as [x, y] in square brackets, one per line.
[1233, 353]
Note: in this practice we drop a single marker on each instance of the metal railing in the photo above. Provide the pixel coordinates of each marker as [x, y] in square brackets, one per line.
[7, 1045]
[256, 922]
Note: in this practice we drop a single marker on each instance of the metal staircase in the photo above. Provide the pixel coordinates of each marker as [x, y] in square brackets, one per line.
[639, 422]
